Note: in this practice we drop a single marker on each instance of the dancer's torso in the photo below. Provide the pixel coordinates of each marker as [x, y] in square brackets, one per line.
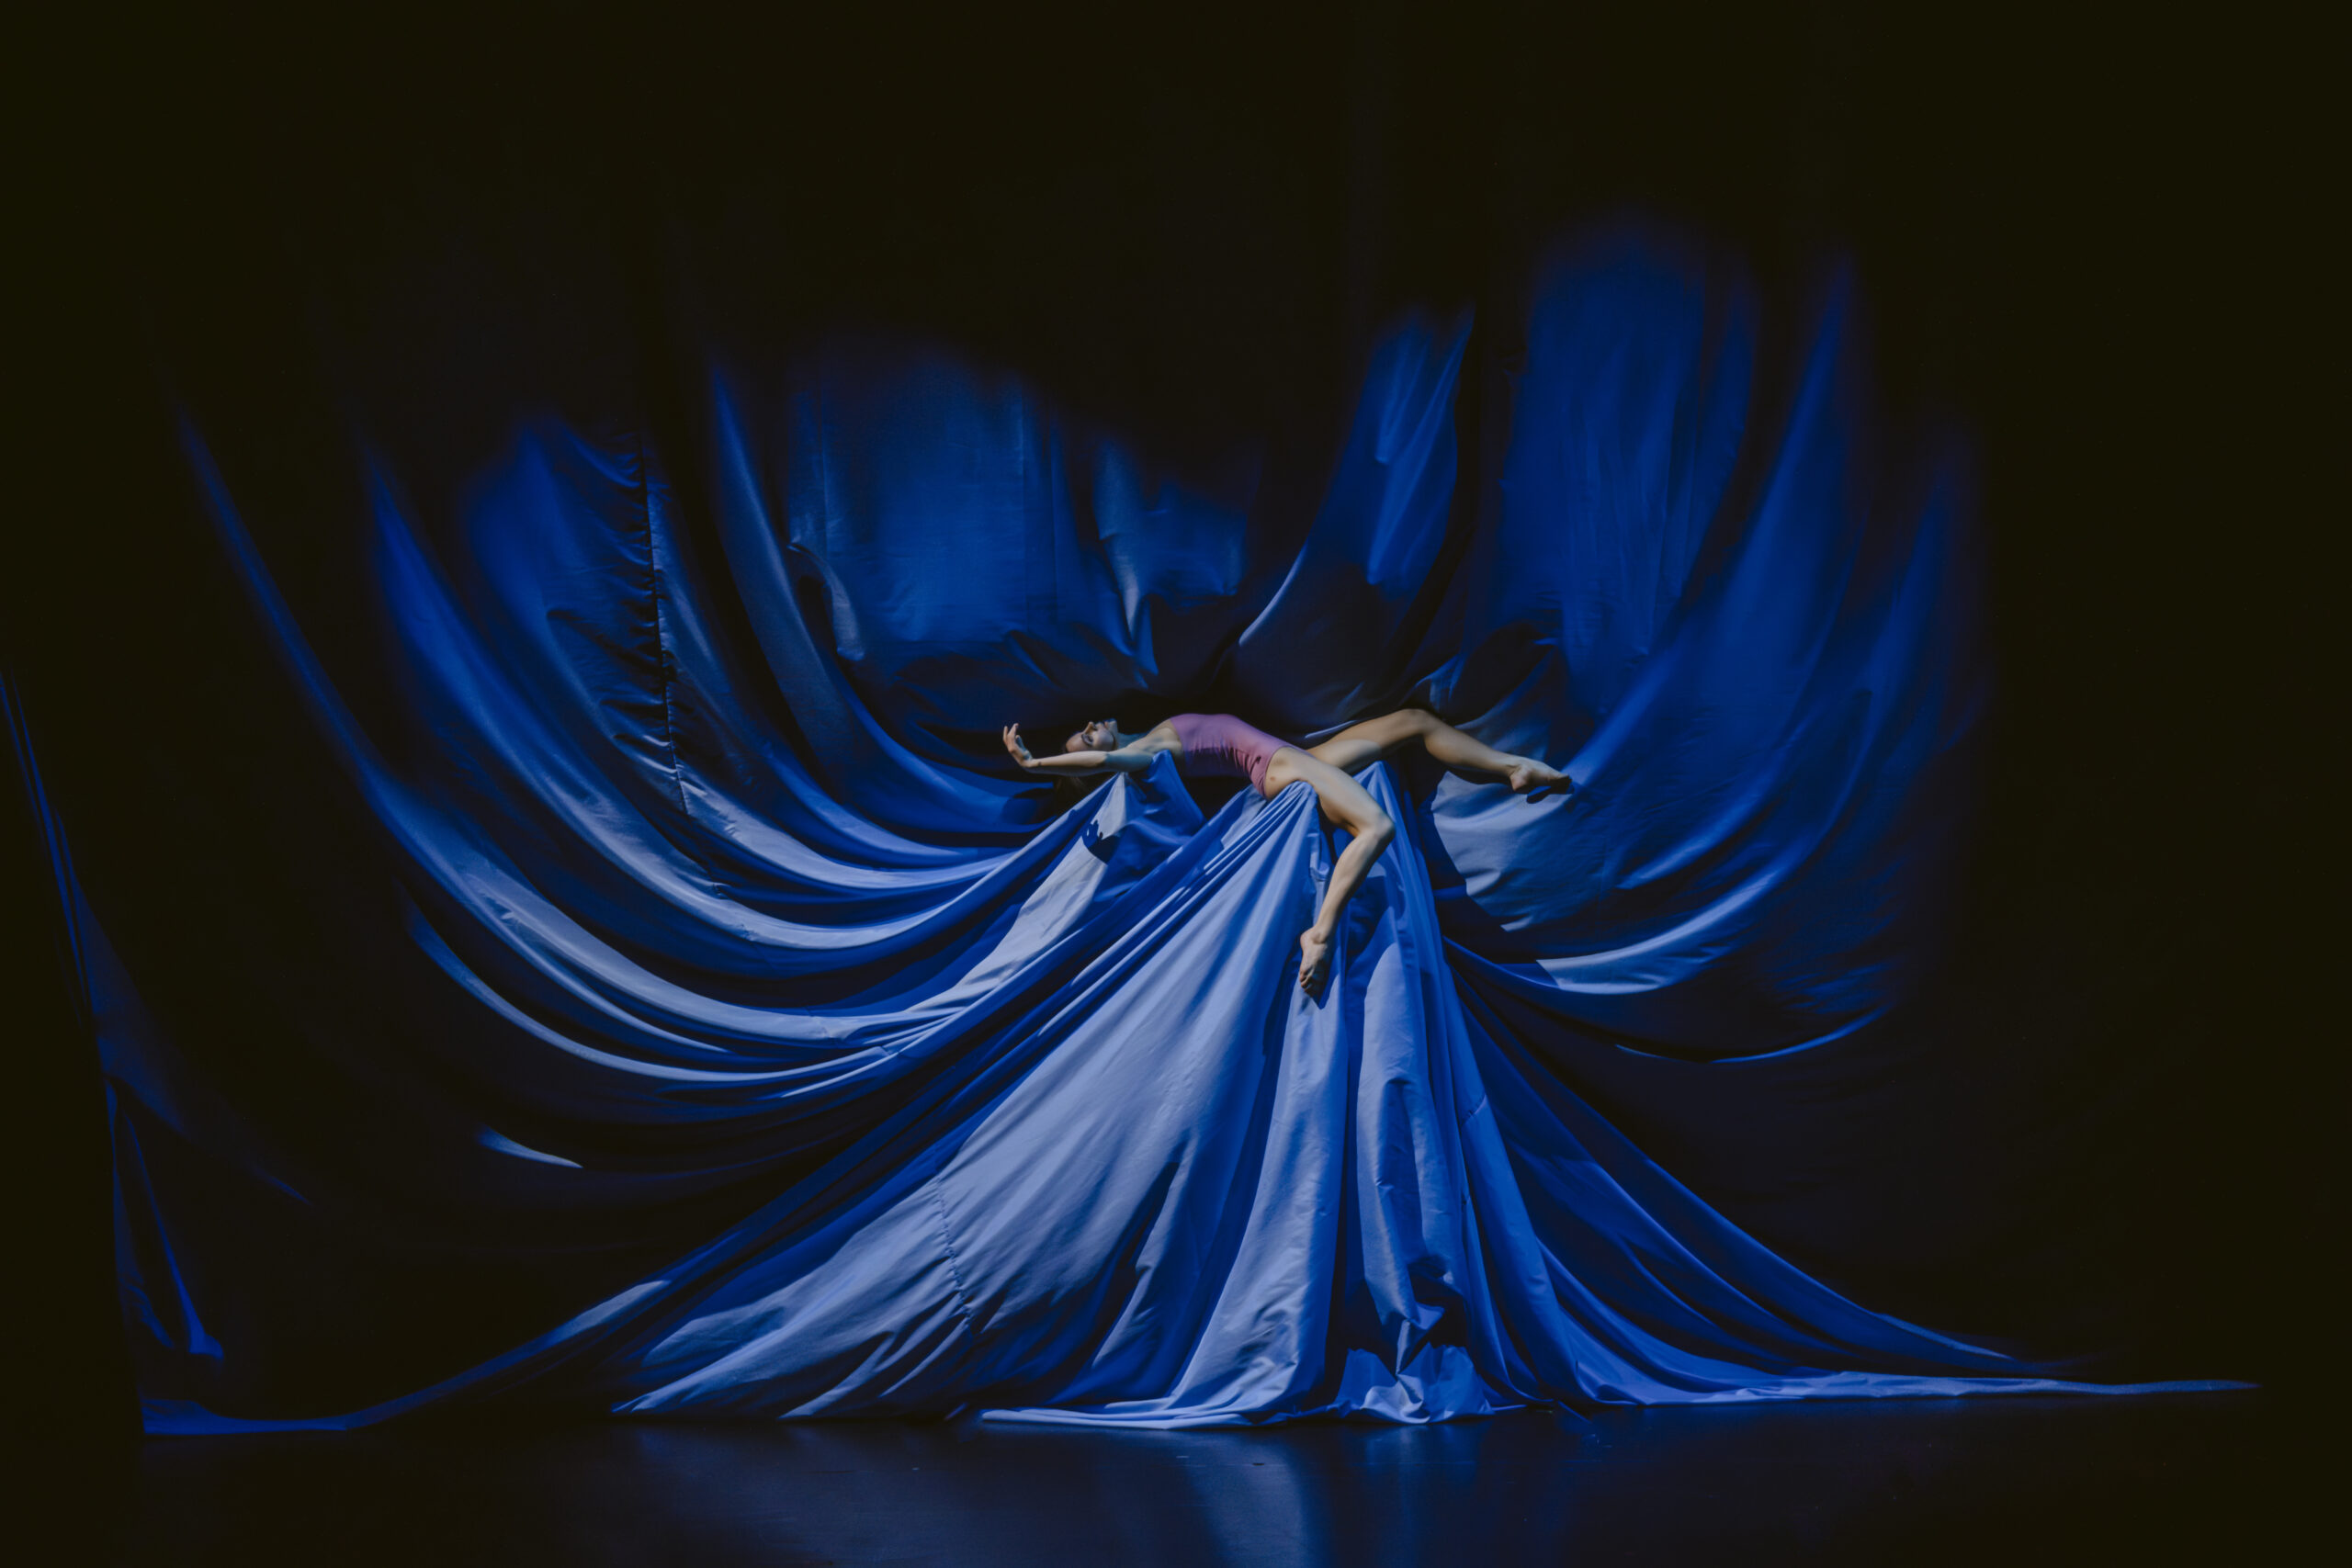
[1218, 743]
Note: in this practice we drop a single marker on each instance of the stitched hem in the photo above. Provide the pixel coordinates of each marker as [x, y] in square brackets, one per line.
[661, 635]
[954, 1266]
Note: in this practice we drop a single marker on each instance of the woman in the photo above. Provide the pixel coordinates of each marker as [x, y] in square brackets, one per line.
[1218, 743]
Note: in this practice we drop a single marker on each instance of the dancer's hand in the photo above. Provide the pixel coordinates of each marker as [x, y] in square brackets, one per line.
[1020, 750]
[1314, 962]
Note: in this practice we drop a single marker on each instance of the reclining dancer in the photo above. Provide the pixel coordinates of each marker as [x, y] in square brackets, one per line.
[1217, 743]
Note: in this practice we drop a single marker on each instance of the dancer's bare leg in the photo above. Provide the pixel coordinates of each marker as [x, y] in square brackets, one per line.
[1362, 743]
[1346, 804]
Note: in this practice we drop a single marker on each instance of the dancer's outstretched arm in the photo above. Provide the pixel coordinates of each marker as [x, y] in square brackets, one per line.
[1125, 760]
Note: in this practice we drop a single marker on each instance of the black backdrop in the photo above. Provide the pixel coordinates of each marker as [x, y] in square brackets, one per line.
[2082, 240]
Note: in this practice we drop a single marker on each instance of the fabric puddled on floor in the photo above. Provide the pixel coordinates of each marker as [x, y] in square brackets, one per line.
[808, 1060]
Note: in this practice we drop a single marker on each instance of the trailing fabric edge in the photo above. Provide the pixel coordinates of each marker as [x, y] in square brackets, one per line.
[672, 1013]
[1360, 1243]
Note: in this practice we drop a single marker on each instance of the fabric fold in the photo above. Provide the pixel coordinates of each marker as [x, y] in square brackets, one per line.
[753, 1040]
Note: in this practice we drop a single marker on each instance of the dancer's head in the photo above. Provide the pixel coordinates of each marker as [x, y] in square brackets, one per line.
[1097, 735]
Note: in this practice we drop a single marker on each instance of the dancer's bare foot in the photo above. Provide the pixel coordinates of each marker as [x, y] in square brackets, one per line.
[1527, 773]
[1314, 962]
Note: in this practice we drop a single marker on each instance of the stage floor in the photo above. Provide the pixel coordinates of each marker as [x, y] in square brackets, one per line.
[2190, 1478]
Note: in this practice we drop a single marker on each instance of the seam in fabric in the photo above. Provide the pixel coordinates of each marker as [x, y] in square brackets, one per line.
[660, 637]
[954, 1266]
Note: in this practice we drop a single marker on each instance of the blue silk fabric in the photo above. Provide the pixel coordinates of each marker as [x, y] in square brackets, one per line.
[917, 1087]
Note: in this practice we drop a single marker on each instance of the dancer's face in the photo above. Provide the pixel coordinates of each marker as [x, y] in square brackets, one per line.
[1100, 736]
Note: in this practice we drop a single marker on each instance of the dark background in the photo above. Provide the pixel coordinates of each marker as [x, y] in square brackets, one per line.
[2091, 243]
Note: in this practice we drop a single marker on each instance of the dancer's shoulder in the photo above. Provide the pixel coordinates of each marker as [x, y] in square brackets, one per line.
[1169, 734]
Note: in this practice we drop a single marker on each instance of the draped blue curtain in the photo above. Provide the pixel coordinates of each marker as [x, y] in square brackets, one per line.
[720, 1026]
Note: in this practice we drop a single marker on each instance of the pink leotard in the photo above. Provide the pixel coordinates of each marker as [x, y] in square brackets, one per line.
[1220, 743]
